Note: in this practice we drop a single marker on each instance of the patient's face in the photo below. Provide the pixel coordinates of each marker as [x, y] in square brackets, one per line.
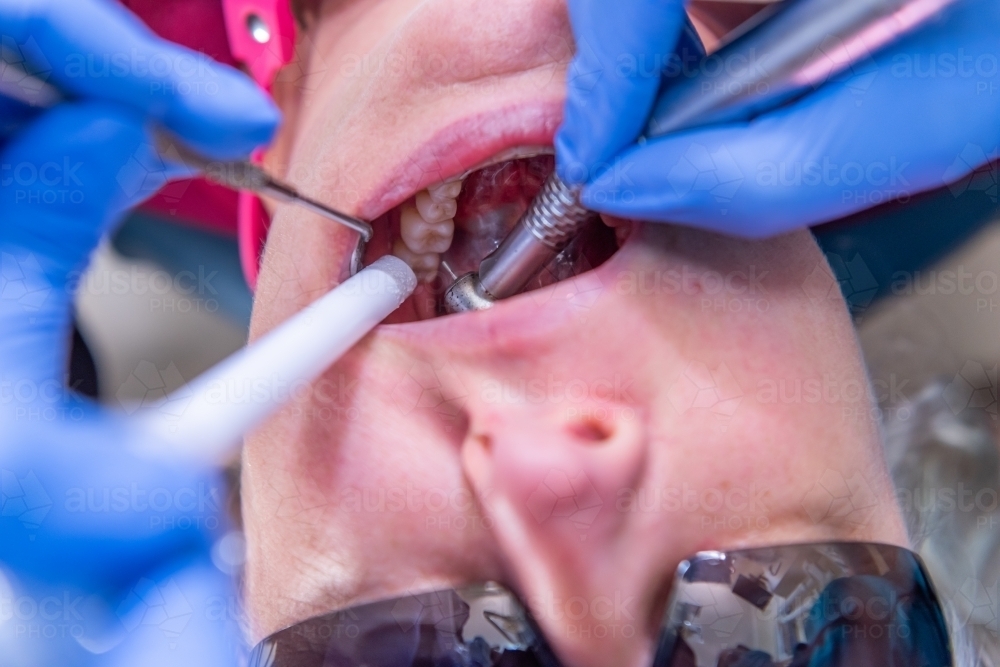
[576, 442]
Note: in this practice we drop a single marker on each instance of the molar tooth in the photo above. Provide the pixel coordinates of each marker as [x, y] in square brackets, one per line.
[435, 210]
[422, 236]
[425, 265]
[442, 191]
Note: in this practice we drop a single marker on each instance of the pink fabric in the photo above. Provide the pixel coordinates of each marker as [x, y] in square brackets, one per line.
[262, 60]
[198, 25]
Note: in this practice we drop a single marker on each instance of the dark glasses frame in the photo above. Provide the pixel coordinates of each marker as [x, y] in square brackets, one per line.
[839, 604]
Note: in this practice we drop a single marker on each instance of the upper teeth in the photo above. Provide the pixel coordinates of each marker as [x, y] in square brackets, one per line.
[427, 224]
[426, 227]
[445, 191]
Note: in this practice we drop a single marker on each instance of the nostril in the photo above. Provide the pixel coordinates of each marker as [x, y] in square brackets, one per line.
[591, 430]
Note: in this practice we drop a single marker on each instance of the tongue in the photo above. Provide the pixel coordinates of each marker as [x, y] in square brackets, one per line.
[491, 202]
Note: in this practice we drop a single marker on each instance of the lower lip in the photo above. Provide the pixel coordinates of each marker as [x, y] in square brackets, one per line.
[517, 318]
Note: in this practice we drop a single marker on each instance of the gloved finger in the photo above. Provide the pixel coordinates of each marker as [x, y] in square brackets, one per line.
[881, 135]
[13, 116]
[621, 48]
[96, 514]
[98, 49]
[65, 180]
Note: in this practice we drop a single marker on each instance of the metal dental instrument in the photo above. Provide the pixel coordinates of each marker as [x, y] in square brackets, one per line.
[797, 45]
[18, 84]
[244, 175]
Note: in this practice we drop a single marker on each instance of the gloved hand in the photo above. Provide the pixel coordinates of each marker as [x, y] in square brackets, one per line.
[82, 510]
[919, 114]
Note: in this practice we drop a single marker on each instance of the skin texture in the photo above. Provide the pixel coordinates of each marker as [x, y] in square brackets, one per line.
[575, 443]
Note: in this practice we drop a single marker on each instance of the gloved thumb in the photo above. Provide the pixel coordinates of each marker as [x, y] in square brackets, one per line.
[621, 50]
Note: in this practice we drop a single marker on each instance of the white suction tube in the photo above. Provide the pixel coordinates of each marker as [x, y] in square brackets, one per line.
[212, 413]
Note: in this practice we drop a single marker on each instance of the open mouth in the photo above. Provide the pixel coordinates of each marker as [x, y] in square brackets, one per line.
[446, 229]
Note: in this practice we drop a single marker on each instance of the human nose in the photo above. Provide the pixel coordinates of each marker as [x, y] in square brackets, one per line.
[549, 479]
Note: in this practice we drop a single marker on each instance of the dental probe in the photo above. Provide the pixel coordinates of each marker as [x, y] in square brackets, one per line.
[205, 419]
[17, 84]
[245, 175]
[797, 45]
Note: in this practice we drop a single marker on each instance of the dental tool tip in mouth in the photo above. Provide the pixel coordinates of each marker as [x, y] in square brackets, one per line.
[554, 218]
[467, 294]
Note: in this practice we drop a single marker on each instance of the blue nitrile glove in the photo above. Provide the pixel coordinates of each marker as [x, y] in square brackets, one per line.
[82, 511]
[920, 114]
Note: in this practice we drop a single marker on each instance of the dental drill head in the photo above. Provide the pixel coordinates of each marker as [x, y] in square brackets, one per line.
[554, 219]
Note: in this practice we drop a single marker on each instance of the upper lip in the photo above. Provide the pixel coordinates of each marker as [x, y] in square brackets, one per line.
[455, 148]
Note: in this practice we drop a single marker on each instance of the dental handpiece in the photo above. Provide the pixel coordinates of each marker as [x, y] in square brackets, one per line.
[17, 84]
[794, 47]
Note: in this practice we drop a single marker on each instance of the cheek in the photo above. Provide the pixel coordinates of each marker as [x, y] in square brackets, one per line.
[303, 260]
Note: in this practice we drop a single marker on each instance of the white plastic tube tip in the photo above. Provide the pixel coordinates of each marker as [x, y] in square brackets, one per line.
[209, 416]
